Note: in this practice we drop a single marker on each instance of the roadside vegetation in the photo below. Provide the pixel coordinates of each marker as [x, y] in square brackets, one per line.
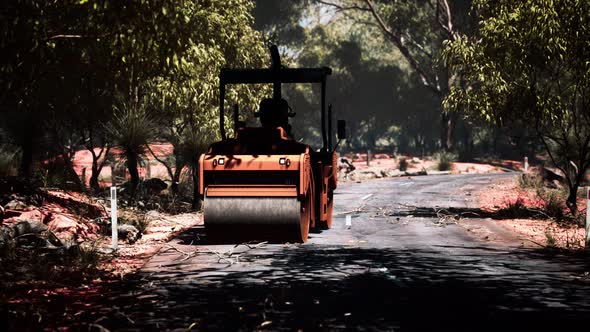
[428, 86]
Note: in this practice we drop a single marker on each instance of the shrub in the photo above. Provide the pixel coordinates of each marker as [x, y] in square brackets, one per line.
[444, 161]
[553, 202]
[550, 240]
[529, 181]
[514, 209]
[403, 164]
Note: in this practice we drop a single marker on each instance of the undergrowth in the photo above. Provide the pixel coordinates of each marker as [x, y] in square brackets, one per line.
[74, 264]
[444, 161]
[403, 164]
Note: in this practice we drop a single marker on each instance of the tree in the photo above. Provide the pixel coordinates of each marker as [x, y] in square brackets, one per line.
[131, 130]
[528, 65]
[67, 62]
[187, 96]
[279, 19]
[371, 87]
[418, 30]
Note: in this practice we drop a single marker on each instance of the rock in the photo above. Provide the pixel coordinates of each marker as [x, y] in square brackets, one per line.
[13, 216]
[152, 214]
[54, 240]
[154, 185]
[60, 223]
[391, 173]
[15, 205]
[6, 235]
[550, 176]
[29, 227]
[370, 174]
[128, 232]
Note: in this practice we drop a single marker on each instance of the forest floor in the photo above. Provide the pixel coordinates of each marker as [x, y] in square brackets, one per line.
[544, 229]
[57, 243]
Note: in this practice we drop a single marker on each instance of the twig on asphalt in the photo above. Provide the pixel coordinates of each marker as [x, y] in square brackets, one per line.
[187, 255]
[228, 255]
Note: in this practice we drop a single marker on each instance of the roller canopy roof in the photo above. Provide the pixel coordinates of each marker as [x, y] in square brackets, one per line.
[284, 75]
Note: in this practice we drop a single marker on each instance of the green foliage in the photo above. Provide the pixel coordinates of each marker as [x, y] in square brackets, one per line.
[69, 62]
[131, 129]
[528, 66]
[371, 87]
[550, 240]
[528, 181]
[552, 202]
[416, 31]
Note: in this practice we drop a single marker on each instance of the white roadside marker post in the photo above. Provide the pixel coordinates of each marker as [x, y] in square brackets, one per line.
[348, 221]
[526, 164]
[588, 218]
[114, 232]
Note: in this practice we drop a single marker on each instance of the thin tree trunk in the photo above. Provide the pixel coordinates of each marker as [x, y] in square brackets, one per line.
[448, 123]
[572, 199]
[94, 185]
[176, 178]
[133, 171]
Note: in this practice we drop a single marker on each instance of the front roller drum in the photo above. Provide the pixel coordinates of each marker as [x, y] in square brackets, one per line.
[276, 219]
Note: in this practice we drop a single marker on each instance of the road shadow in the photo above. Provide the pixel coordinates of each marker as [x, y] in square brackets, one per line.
[342, 288]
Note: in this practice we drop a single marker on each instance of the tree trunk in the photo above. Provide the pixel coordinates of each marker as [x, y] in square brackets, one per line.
[133, 171]
[71, 174]
[572, 199]
[94, 185]
[448, 122]
[176, 179]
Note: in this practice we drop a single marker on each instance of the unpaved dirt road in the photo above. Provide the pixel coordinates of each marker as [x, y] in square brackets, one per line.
[388, 271]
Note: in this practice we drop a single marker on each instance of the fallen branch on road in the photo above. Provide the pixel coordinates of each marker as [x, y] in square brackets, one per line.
[229, 257]
[187, 255]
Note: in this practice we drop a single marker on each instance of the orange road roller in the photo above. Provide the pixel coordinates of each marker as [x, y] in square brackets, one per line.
[261, 184]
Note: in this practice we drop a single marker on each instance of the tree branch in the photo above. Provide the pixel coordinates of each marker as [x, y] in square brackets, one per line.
[340, 8]
[168, 168]
[399, 41]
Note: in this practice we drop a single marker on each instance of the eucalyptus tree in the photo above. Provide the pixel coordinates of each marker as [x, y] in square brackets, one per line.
[187, 96]
[418, 30]
[528, 64]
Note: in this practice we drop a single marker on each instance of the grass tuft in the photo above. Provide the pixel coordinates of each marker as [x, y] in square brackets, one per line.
[444, 161]
[403, 164]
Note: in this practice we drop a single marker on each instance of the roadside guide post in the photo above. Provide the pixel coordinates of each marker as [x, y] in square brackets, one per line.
[526, 164]
[588, 218]
[114, 217]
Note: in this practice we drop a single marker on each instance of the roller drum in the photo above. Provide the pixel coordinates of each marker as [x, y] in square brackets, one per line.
[261, 218]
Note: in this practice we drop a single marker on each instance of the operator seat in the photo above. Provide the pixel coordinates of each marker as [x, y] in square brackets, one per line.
[273, 137]
[275, 113]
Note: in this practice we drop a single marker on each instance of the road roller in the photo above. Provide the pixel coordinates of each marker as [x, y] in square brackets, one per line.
[262, 184]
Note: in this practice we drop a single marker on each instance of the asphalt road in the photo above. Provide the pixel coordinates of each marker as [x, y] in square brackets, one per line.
[390, 270]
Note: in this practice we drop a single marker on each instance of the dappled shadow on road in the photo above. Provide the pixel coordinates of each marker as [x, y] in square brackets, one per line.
[326, 288]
